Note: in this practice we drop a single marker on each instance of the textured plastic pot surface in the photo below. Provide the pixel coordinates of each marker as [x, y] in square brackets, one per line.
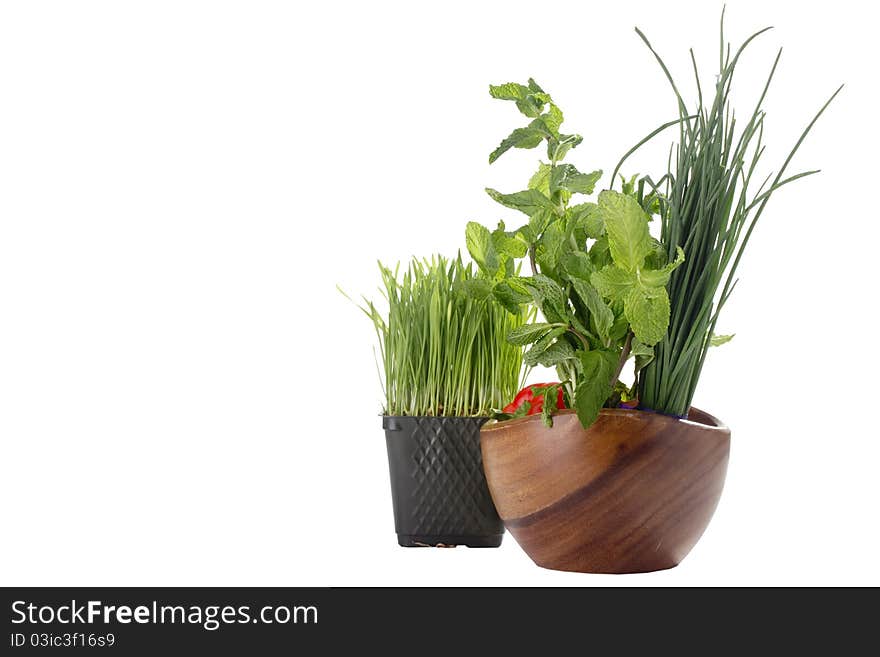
[438, 488]
[632, 493]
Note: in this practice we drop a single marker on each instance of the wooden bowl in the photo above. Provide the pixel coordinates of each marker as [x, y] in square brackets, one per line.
[631, 494]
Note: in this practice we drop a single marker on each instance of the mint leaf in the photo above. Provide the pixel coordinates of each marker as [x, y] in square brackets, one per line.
[522, 410]
[647, 310]
[541, 179]
[529, 137]
[593, 384]
[638, 348]
[528, 101]
[479, 245]
[556, 353]
[549, 407]
[532, 105]
[600, 313]
[558, 147]
[509, 91]
[549, 296]
[589, 398]
[477, 288]
[528, 333]
[533, 356]
[509, 298]
[558, 176]
[529, 201]
[551, 246]
[577, 264]
[586, 222]
[642, 353]
[627, 228]
[628, 187]
[657, 257]
[660, 277]
[613, 283]
[508, 244]
[539, 221]
[621, 325]
[567, 177]
[718, 340]
[600, 254]
[520, 285]
[552, 120]
[525, 234]
[645, 307]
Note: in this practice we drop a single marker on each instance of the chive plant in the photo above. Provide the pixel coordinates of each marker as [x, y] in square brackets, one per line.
[443, 351]
[710, 207]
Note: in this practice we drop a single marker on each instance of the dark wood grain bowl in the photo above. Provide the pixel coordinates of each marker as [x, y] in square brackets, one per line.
[632, 493]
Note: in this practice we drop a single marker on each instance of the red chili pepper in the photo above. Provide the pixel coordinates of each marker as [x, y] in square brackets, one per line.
[527, 394]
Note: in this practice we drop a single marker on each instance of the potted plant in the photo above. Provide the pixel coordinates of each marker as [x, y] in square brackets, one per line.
[445, 366]
[628, 479]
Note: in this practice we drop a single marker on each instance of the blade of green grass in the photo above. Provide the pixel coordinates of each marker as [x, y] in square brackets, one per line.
[443, 352]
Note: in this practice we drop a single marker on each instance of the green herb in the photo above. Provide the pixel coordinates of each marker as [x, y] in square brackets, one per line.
[709, 207]
[442, 343]
[598, 277]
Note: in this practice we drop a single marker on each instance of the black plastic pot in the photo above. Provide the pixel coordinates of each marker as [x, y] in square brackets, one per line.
[438, 488]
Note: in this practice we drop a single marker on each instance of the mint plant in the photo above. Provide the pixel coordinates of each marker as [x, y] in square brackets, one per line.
[598, 277]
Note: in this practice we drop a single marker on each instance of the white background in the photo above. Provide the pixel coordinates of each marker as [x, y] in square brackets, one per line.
[186, 400]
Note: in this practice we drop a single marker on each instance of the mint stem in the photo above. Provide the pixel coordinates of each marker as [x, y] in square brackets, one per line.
[624, 355]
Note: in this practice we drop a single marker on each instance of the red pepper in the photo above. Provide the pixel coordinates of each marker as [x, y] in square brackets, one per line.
[527, 394]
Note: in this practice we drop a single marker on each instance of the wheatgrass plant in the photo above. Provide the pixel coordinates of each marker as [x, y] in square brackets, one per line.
[709, 207]
[443, 351]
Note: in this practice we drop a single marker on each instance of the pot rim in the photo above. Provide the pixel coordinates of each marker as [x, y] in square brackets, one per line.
[717, 425]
